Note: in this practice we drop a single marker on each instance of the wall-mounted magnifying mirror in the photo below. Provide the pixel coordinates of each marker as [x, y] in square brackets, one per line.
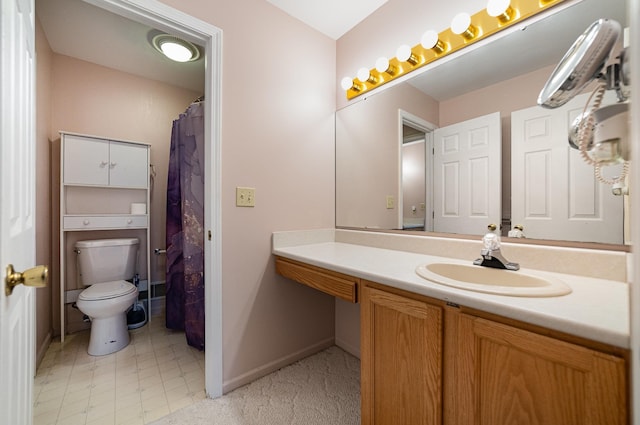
[583, 63]
[599, 133]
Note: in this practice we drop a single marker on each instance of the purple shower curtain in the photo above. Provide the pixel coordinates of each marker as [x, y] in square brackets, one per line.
[185, 227]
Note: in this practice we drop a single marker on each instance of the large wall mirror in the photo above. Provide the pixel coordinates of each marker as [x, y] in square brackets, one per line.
[392, 147]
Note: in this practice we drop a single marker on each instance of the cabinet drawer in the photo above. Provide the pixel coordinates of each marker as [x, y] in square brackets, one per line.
[104, 222]
[333, 283]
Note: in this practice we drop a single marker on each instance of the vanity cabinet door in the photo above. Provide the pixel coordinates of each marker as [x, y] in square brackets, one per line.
[401, 360]
[507, 375]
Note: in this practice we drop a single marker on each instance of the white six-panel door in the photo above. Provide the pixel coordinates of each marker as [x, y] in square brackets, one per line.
[17, 210]
[468, 176]
[559, 197]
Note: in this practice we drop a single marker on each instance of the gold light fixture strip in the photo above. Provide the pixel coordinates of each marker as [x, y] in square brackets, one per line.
[482, 25]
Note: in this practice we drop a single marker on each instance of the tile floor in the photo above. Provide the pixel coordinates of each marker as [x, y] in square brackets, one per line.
[156, 374]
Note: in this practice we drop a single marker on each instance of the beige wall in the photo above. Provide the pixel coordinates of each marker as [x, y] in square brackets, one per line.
[278, 100]
[44, 299]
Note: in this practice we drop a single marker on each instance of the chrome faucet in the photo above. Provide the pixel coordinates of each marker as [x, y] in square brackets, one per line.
[491, 255]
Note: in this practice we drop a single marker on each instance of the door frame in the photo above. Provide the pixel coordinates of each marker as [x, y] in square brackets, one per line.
[414, 121]
[166, 18]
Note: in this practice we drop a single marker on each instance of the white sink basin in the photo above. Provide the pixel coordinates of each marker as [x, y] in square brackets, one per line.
[493, 281]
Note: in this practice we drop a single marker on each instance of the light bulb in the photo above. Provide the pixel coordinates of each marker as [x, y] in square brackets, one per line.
[403, 53]
[346, 83]
[461, 25]
[382, 64]
[500, 9]
[430, 40]
[176, 52]
[363, 74]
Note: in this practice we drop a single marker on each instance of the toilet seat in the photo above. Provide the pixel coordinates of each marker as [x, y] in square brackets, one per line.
[107, 290]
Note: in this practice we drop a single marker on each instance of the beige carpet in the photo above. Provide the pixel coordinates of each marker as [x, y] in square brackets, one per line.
[323, 389]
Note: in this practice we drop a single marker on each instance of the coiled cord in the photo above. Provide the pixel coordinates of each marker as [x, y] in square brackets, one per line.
[585, 132]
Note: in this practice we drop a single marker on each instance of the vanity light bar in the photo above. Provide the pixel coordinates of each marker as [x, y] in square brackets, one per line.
[434, 46]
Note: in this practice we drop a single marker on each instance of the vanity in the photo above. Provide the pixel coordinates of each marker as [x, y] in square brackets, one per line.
[436, 354]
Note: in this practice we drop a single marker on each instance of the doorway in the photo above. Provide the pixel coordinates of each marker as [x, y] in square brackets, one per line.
[415, 203]
[164, 18]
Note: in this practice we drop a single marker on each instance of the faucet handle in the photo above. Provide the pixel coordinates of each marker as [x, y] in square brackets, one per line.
[491, 241]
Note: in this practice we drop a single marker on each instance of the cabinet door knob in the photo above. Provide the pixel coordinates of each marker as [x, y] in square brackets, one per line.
[86, 222]
[129, 221]
[113, 164]
[103, 163]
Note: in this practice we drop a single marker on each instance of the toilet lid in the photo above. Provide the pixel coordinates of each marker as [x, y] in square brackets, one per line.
[106, 290]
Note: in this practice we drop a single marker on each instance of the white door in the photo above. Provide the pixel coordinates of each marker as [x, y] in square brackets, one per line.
[545, 169]
[467, 176]
[17, 211]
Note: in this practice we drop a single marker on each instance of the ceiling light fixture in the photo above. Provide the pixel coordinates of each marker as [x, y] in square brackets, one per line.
[175, 48]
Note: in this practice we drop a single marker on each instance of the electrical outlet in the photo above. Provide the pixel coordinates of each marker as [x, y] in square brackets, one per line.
[245, 197]
[422, 206]
[390, 202]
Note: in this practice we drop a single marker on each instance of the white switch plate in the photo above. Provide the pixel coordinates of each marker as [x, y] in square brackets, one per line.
[390, 202]
[245, 197]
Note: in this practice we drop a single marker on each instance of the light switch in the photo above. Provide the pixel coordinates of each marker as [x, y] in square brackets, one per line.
[245, 197]
[390, 202]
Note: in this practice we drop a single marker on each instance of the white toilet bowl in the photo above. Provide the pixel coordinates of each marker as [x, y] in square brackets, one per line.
[106, 305]
[104, 264]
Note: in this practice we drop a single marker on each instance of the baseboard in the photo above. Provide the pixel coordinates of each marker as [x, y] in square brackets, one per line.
[261, 371]
[42, 350]
[157, 306]
[349, 348]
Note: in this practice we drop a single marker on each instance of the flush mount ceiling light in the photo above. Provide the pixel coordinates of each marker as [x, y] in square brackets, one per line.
[175, 48]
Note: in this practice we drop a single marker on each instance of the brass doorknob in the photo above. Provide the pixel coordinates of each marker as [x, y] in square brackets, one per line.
[36, 277]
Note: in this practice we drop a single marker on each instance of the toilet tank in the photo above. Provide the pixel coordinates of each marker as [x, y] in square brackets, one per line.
[106, 260]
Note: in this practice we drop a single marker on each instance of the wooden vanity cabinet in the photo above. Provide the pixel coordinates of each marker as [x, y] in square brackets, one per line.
[425, 362]
[401, 359]
[507, 375]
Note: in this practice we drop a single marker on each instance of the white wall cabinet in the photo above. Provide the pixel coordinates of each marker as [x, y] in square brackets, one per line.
[99, 180]
[99, 162]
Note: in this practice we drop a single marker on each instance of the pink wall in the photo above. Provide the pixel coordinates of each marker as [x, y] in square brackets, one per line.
[278, 137]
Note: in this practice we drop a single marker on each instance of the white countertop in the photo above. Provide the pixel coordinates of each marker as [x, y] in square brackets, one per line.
[596, 309]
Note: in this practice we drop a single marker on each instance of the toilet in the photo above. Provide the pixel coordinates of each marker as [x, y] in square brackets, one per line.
[104, 264]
